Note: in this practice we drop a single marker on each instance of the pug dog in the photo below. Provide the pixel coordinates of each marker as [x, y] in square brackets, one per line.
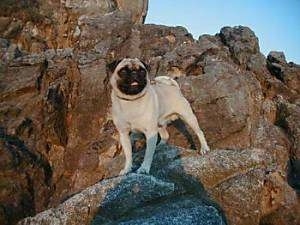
[147, 107]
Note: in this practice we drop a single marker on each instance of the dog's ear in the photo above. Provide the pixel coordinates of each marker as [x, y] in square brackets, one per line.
[110, 67]
[148, 68]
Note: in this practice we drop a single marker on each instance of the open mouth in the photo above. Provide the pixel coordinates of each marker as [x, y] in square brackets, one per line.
[131, 86]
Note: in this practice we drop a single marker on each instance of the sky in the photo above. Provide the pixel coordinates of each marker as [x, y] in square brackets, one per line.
[276, 23]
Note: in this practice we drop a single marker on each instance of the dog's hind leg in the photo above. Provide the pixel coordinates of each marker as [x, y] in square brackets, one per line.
[164, 135]
[150, 149]
[126, 145]
[187, 115]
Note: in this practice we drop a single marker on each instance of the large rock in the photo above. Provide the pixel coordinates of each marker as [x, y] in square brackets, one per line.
[120, 200]
[26, 173]
[288, 118]
[249, 179]
[241, 41]
[197, 186]
[225, 102]
[137, 9]
[287, 73]
[34, 28]
[22, 171]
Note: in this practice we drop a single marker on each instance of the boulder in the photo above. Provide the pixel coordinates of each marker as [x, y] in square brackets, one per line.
[137, 9]
[289, 74]
[275, 63]
[276, 57]
[200, 187]
[241, 41]
[120, 200]
[224, 103]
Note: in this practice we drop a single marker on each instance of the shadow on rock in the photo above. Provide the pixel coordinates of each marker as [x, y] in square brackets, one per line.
[183, 129]
[294, 174]
[25, 179]
[170, 196]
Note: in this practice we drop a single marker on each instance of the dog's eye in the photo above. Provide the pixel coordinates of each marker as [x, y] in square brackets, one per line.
[142, 71]
[123, 72]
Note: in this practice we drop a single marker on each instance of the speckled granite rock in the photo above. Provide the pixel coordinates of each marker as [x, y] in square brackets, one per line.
[140, 199]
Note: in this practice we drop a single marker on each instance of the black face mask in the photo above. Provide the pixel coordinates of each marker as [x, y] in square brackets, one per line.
[132, 81]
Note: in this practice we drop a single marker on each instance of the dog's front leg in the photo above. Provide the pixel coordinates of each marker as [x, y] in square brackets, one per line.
[150, 149]
[126, 145]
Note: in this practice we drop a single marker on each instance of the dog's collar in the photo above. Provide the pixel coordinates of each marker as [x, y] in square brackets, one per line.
[131, 99]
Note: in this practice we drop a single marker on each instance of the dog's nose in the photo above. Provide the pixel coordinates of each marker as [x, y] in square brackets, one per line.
[134, 75]
[133, 72]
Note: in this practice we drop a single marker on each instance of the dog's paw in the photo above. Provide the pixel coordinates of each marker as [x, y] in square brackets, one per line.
[143, 170]
[124, 171]
[204, 150]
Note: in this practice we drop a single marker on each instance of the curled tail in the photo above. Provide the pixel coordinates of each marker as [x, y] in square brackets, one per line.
[166, 80]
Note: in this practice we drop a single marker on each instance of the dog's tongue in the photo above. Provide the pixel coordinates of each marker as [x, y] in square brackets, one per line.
[134, 83]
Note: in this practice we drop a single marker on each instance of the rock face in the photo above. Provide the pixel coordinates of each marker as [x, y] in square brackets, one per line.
[57, 136]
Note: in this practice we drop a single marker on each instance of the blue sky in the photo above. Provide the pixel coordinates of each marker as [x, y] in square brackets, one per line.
[275, 22]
